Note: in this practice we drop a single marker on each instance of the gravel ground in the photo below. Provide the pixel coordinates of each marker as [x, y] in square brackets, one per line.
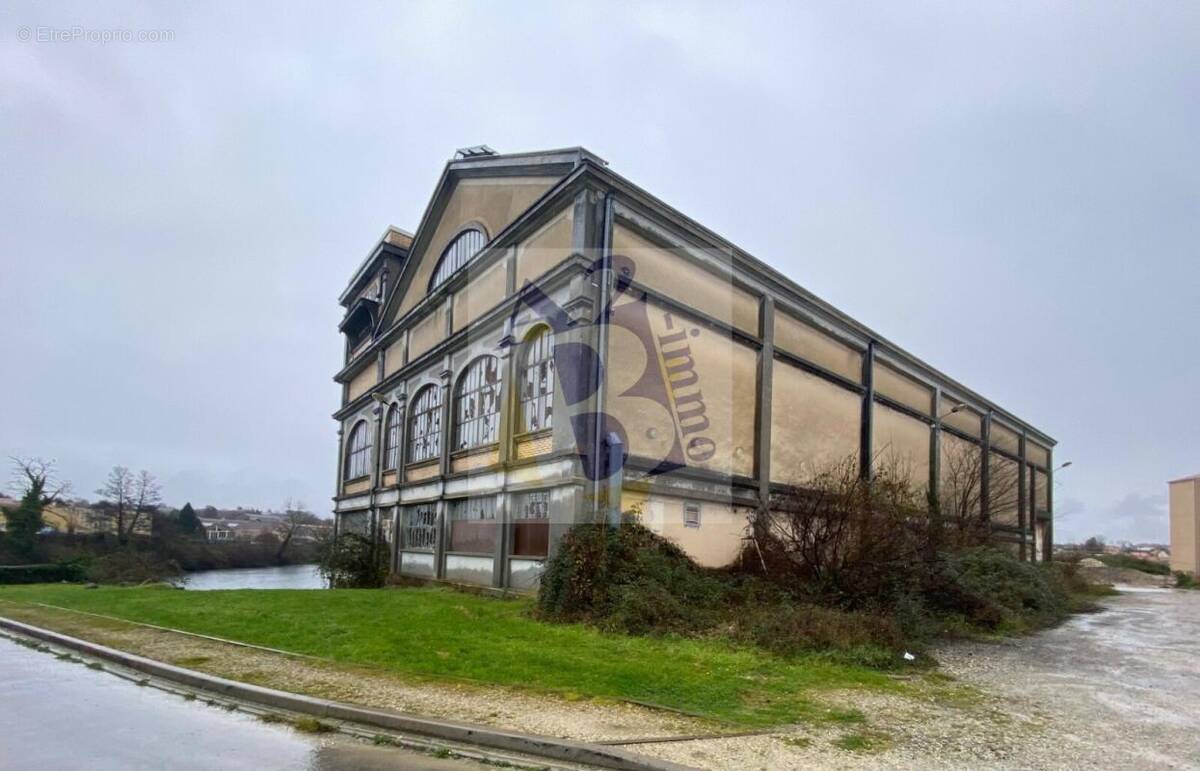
[1113, 690]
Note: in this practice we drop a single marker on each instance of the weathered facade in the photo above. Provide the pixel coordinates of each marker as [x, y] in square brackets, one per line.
[554, 344]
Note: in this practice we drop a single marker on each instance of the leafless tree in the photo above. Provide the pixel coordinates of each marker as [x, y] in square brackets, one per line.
[131, 496]
[960, 497]
[294, 515]
[38, 476]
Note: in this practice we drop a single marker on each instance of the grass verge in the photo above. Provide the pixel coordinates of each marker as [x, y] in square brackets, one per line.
[436, 634]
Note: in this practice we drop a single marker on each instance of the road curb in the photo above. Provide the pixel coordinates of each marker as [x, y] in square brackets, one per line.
[483, 736]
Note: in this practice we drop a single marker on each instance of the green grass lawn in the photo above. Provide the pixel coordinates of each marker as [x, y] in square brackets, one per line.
[434, 633]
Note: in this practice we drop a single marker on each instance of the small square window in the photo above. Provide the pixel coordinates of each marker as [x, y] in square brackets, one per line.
[691, 515]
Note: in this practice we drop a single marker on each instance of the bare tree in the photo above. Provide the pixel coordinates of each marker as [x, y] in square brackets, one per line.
[39, 477]
[131, 497]
[36, 483]
[295, 514]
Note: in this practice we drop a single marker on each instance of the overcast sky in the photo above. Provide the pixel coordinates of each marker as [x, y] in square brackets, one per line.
[1010, 191]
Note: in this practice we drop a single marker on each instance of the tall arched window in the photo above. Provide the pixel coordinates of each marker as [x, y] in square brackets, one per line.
[391, 439]
[425, 425]
[464, 246]
[537, 382]
[358, 452]
[477, 404]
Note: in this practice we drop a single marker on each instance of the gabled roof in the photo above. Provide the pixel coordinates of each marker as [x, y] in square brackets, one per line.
[549, 163]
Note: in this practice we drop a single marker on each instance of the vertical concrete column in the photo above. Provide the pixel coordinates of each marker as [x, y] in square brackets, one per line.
[443, 526]
[985, 473]
[508, 408]
[1023, 514]
[341, 445]
[762, 426]
[1048, 536]
[866, 437]
[935, 446]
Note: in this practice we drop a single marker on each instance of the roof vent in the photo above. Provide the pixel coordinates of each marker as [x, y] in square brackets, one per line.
[478, 151]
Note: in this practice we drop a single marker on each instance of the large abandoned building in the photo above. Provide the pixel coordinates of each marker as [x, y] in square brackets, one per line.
[553, 344]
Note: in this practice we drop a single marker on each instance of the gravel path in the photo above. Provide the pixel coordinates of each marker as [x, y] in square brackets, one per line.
[1112, 690]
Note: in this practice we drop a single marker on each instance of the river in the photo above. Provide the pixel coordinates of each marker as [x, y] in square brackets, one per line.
[60, 714]
[284, 577]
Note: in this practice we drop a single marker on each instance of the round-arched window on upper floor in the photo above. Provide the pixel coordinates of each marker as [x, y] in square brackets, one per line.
[358, 452]
[477, 404]
[464, 246]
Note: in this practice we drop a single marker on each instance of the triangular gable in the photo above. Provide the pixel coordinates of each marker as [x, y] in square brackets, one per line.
[489, 193]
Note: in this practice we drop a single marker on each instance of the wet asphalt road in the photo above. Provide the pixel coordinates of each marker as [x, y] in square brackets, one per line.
[61, 715]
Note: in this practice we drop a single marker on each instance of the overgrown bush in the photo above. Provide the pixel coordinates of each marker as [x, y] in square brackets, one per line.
[628, 579]
[129, 566]
[1135, 563]
[353, 562]
[847, 566]
[1185, 580]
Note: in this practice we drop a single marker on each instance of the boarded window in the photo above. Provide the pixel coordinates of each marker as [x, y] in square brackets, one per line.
[531, 523]
[691, 515]
[473, 525]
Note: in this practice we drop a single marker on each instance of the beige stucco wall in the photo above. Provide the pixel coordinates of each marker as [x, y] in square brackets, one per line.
[483, 291]
[966, 421]
[812, 345]
[681, 279]
[902, 443]
[1037, 454]
[493, 203]
[427, 333]
[546, 248]
[1185, 505]
[904, 390]
[815, 425]
[393, 357]
[1004, 438]
[362, 382]
[707, 371]
[715, 543]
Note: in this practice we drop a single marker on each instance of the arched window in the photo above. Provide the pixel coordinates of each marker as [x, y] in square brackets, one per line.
[391, 439]
[537, 382]
[477, 404]
[464, 246]
[425, 425]
[358, 452]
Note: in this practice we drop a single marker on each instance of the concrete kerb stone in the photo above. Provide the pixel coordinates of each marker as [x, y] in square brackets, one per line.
[466, 733]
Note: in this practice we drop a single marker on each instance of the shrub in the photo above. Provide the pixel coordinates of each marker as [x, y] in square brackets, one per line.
[354, 562]
[628, 579]
[128, 566]
[41, 574]
[1186, 580]
[1135, 563]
